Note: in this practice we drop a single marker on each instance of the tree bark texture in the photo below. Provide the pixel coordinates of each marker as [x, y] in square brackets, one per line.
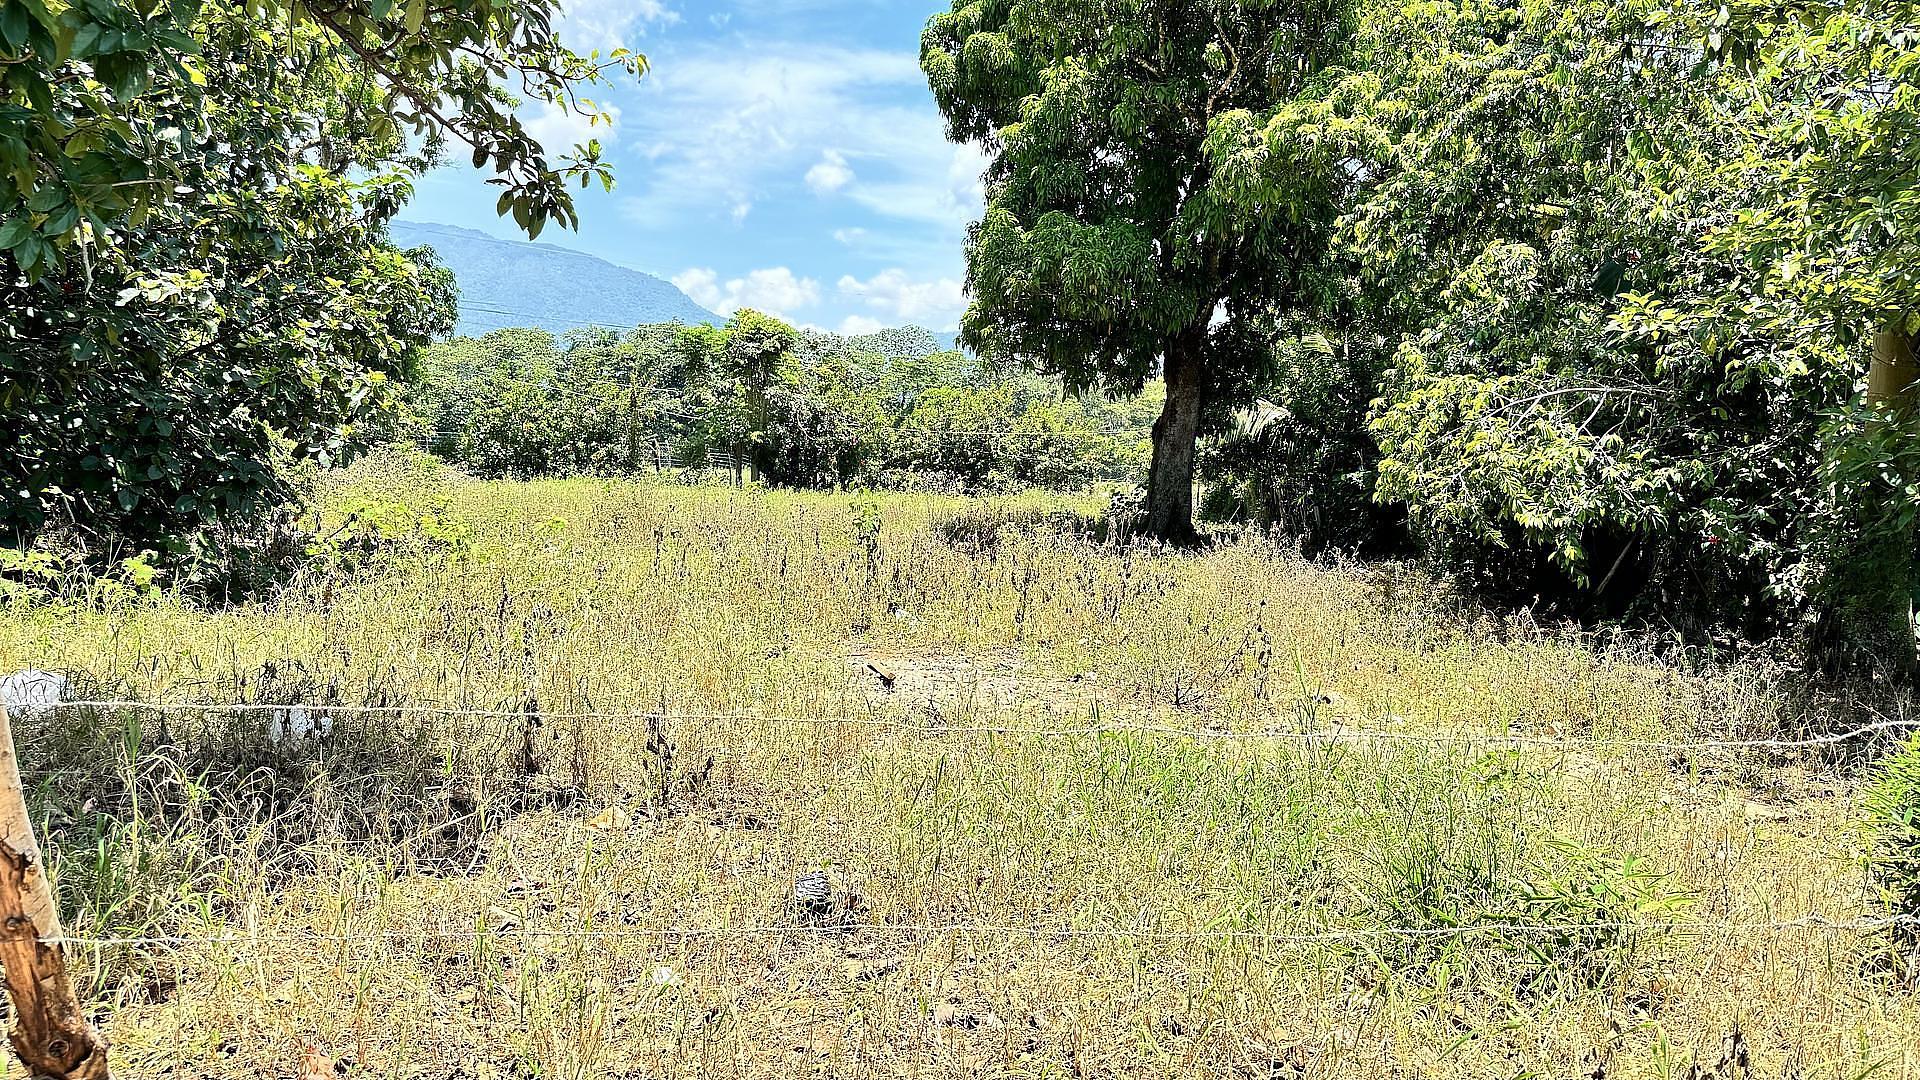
[1890, 381]
[1175, 435]
[51, 1033]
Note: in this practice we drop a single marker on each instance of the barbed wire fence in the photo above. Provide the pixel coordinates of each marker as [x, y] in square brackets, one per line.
[53, 1035]
[1327, 734]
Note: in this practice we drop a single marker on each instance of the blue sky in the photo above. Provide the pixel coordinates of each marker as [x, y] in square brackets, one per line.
[784, 155]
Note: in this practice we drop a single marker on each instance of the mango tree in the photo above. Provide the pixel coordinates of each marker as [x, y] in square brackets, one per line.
[1157, 181]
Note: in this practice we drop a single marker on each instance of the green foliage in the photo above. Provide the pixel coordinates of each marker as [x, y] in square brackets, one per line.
[193, 205]
[1601, 301]
[107, 106]
[1472, 854]
[1808, 254]
[798, 409]
[1300, 459]
[1162, 178]
[1859, 570]
[734, 371]
[40, 575]
[1457, 238]
[957, 431]
[515, 403]
[1892, 805]
[380, 531]
[1825, 106]
[27, 575]
[1123, 153]
[1527, 441]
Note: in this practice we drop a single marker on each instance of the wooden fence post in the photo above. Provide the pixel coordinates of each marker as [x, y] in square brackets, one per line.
[50, 1031]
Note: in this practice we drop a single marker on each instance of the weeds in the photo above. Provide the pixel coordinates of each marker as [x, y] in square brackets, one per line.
[480, 895]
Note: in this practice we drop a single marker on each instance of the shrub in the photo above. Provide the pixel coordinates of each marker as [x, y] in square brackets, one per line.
[48, 572]
[1892, 805]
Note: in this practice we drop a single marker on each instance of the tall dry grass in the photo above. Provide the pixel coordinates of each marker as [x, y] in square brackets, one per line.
[432, 895]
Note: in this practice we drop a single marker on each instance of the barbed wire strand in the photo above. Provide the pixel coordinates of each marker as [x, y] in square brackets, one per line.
[1812, 921]
[1322, 735]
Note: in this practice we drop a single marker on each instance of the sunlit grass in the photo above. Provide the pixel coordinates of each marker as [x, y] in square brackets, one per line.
[415, 898]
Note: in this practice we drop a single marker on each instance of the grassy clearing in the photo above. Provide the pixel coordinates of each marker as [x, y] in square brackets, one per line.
[409, 895]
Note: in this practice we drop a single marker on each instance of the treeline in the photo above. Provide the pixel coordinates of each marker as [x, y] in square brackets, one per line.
[1608, 307]
[773, 403]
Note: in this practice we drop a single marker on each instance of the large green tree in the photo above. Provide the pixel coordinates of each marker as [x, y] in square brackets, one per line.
[193, 257]
[1160, 178]
[1505, 217]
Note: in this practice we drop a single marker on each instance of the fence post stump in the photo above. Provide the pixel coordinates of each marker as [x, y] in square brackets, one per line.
[50, 1030]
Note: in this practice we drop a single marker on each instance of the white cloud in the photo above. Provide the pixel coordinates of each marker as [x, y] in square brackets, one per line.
[856, 325]
[700, 283]
[830, 173]
[559, 131]
[721, 137]
[737, 126]
[935, 303]
[775, 290]
[605, 25]
[945, 192]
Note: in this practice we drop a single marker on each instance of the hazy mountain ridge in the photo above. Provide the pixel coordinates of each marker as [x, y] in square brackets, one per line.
[507, 283]
[516, 283]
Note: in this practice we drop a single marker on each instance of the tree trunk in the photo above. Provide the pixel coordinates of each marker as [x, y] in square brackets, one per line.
[50, 1029]
[1890, 381]
[1170, 480]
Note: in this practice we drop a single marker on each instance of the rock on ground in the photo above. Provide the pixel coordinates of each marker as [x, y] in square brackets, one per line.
[32, 692]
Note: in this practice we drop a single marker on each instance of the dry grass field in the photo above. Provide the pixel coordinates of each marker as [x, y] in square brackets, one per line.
[1053, 808]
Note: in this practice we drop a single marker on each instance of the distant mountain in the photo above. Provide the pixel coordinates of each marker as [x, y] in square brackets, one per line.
[515, 283]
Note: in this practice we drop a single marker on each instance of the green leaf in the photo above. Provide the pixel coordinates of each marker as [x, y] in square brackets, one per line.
[13, 25]
[46, 199]
[61, 221]
[84, 39]
[43, 15]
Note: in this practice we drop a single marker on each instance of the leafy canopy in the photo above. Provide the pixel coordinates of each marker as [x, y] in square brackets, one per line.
[193, 210]
[106, 106]
[1152, 163]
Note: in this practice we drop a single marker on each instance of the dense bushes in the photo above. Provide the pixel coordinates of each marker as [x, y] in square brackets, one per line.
[789, 407]
[1596, 331]
[1892, 804]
